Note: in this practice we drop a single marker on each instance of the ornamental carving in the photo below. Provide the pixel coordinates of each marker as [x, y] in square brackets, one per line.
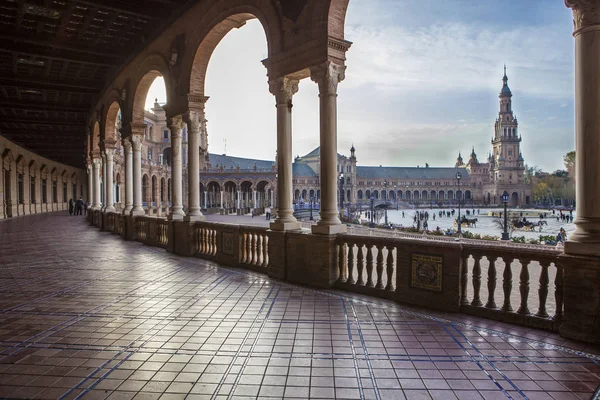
[585, 12]
[327, 76]
[197, 101]
[192, 121]
[283, 89]
[136, 142]
[175, 125]
[126, 145]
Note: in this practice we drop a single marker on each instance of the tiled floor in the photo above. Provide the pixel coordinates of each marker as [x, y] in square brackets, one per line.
[85, 314]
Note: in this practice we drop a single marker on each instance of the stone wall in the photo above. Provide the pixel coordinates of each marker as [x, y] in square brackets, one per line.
[25, 175]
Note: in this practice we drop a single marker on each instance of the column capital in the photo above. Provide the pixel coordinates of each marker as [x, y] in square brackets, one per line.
[327, 76]
[126, 145]
[109, 154]
[175, 125]
[586, 14]
[283, 89]
[192, 119]
[97, 162]
[136, 142]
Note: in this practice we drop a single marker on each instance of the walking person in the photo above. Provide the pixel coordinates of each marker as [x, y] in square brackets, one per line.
[71, 206]
[78, 206]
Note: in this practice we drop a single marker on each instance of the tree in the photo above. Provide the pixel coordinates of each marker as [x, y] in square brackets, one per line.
[569, 160]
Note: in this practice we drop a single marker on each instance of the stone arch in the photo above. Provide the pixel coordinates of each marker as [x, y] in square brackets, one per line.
[110, 121]
[441, 195]
[416, 195]
[424, 195]
[514, 199]
[337, 18]
[95, 143]
[152, 69]
[153, 190]
[215, 26]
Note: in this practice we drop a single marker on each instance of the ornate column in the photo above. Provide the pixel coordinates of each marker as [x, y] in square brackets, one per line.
[128, 153]
[108, 179]
[90, 185]
[284, 89]
[136, 145]
[104, 202]
[327, 76]
[586, 239]
[580, 266]
[192, 119]
[175, 124]
[97, 164]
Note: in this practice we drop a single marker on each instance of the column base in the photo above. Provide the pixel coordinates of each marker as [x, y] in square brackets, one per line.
[175, 217]
[285, 226]
[136, 213]
[329, 229]
[581, 298]
[194, 218]
[583, 249]
[127, 210]
[110, 209]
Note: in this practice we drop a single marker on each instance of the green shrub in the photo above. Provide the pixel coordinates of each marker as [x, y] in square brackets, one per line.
[518, 239]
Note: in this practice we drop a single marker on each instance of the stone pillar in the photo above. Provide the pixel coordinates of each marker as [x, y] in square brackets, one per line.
[221, 192]
[97, 163]
[192, 119]
[581, 262]
[136, 144]
[90, 186]
[284, 89]
[26, 191]
[328, 76]
[205, 198]
[128, 152]
[108, 180]
[175, 124]
[104, 202]
[254, 198]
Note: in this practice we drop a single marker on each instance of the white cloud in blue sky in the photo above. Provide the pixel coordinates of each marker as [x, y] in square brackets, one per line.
[422, 83]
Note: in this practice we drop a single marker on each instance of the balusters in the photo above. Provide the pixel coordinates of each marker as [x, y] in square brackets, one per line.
[524, 287]
[543, 290]
[249, 248]
[360, 265]
[254, 249]
[476, 281]
[390, 269]
[379, 284]
[265, 249]
[342, 263]
[259, 251]
[558, 292]
[350, 279]
[370, 265]
[464, 278]
[491, 303]
[507, 285]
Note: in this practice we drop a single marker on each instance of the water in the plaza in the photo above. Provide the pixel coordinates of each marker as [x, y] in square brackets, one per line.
[485, 224]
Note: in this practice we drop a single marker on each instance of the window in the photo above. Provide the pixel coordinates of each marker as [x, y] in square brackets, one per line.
[149, 153]
[20, 189]
[54, 192]
[166, 134]
[32, 189]
[150, 132]
[64, 192]
[44, 191]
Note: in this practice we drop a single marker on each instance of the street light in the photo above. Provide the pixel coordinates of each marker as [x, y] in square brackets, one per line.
[505, 201]
[372, 224]
[458, 177]
[385, 183]
[341, 196]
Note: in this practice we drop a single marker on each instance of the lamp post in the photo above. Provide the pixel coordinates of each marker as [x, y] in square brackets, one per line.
[385, 184]
[396, 196]
[312, 199]
[458, 177]
[505, 201]
[342, 196]
[372, 224]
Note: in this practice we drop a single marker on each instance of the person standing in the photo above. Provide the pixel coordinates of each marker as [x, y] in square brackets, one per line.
[71, 205]
[78, 206]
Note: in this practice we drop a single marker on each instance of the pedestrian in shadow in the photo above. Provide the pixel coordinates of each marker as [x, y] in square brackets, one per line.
[71, 205]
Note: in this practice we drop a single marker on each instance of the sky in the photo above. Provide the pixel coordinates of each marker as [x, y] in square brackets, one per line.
[422, 84]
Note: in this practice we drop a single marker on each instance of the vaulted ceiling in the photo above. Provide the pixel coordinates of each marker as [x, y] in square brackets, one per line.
[56, 56]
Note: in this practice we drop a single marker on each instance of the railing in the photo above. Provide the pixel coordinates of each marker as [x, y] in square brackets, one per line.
[254, 246]
[206, 239]
[141, 228]
[366, 262]
[480, 275]
[163, 233]
[515, 284]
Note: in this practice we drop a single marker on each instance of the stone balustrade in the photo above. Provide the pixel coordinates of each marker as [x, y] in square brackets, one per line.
[520, 284]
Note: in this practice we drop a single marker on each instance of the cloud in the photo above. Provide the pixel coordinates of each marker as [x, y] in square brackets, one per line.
[460, 56]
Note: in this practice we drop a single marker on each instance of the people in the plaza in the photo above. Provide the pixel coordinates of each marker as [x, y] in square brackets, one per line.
[71, 206]
[85, 207]
[79, 206]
